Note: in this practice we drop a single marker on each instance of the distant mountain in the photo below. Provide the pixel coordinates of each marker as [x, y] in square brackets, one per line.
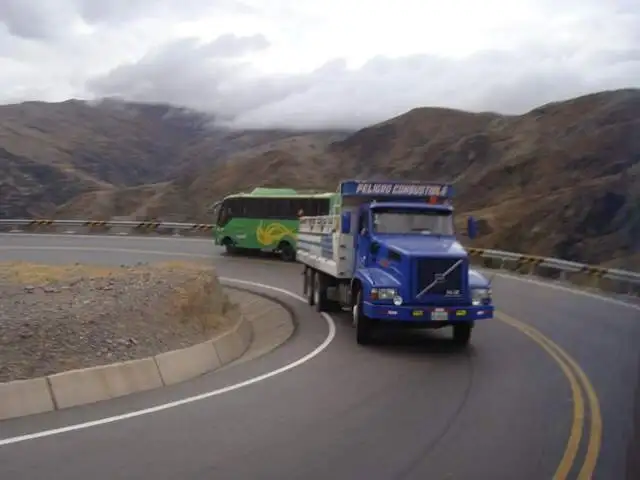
[52, 152]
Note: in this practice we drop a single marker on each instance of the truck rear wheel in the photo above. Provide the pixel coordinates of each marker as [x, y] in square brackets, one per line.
[364, 325]
[320, 293]
[311, 286]
[462, 333]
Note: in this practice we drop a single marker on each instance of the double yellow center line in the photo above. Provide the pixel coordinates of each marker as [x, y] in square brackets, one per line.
[580, 387]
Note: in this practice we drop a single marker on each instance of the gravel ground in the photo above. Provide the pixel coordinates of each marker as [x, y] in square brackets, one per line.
[55, 318]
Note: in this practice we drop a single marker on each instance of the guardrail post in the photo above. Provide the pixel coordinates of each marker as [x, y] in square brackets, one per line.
[532, 269]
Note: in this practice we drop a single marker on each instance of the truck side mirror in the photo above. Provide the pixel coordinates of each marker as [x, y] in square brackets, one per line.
[345, 223]
[472, 227]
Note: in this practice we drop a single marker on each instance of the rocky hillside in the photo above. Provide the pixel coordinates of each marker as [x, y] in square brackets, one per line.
[52, 152]
[562, 180]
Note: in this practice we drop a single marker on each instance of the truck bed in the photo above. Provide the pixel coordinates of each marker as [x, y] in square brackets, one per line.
[321, 246]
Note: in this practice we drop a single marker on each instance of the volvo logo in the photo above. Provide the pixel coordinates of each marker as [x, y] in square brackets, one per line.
[440, 278]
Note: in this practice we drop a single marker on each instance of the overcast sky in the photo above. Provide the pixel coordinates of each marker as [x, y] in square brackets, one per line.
[312, 63]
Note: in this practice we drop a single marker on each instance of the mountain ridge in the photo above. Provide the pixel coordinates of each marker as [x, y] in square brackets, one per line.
[560, 180]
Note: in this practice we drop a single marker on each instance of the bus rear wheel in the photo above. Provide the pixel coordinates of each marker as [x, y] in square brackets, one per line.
[287, 253]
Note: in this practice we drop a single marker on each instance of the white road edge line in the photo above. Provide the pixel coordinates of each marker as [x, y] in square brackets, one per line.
[137, 413]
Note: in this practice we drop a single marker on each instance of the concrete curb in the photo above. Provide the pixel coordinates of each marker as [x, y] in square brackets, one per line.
[89, 385]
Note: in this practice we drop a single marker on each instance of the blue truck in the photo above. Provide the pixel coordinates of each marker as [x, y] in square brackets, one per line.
[388, 253]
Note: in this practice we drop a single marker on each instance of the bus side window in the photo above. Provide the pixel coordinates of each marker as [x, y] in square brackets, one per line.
[298, 208]
[323, 206]
[286, 209]
[309, 207]
[270, 208]
[249, 210]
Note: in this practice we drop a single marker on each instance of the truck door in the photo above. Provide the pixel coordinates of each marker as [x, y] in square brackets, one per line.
[362, 238]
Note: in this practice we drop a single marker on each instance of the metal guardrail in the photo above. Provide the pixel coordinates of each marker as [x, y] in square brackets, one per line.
[614, 280]
[149, 225]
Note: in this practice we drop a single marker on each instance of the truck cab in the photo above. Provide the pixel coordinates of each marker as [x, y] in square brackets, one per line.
[395, 259]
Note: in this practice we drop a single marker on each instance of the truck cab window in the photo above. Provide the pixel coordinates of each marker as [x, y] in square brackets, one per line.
[407, 221]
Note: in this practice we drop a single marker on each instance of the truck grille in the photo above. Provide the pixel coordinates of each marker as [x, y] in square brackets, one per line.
[430, 269]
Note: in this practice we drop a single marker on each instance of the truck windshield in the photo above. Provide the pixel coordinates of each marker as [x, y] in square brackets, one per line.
[402, 221]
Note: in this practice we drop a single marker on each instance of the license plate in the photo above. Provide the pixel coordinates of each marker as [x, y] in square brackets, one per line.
[439, 315]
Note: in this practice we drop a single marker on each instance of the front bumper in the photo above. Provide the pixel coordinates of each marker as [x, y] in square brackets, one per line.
[423, 313]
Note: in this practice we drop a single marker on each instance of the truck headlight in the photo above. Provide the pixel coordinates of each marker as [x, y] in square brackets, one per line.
[480, 296]
[383, 293]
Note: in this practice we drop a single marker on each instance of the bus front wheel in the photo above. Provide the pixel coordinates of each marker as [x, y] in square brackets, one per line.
[229, 246]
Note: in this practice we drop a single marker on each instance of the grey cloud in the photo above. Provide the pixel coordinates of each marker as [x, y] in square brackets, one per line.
[217, 76]
[119, 11]
[35, 19]
[113, 10]
[197, 76]
[52, 19]
[232, 46]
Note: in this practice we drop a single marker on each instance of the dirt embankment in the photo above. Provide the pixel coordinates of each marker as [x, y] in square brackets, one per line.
[57, 318]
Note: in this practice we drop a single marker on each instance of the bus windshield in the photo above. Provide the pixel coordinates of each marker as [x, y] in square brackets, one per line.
[216, 213]
[412, 220]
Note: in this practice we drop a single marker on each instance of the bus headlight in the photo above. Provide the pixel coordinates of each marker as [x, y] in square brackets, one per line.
[383, 293]
[481, 296]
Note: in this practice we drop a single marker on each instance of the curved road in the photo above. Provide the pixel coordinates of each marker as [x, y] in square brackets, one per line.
[514, 406]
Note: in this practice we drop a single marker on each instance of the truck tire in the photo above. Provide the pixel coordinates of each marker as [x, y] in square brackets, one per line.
[311, 286]
[320, 293]
[364, 325]
[462, 333]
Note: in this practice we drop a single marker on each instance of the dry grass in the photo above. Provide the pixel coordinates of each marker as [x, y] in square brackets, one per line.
[26, 273]
[201, 302]
[198, 299]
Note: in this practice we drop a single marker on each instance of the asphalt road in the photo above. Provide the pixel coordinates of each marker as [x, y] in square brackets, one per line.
[511, 407]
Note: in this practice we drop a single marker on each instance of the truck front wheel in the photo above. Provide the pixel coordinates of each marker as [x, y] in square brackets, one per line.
[363, 324]
[462, 333]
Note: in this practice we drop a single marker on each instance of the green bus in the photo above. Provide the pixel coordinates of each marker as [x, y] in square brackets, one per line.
[266, 219]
